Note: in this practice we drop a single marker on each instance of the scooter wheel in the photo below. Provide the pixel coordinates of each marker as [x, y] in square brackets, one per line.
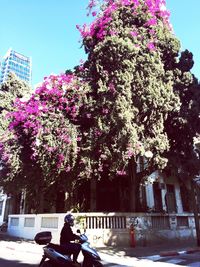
[46, 264]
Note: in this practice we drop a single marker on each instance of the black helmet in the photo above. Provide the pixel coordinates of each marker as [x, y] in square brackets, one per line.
[69, 218]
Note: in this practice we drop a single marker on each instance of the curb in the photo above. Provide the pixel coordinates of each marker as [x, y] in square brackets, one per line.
[176, 253]
[168, 253]
[193, 250]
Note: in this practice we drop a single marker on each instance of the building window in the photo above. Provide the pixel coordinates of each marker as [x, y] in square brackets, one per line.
[170, 199]
[1, 207]
[198, 197]
[157, 197]
[29, 222]
[49, 222]
[185, 197]
[14, 221]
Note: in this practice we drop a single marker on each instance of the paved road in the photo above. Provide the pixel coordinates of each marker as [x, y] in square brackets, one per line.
[26, 254]
[190, 260]
[15, 258]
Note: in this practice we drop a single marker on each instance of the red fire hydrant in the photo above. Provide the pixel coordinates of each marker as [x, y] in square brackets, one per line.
[132, 236]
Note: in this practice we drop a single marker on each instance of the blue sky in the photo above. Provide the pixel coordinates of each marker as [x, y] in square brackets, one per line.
[46, 31]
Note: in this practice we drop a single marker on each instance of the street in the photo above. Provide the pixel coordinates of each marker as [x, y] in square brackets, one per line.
[21, 253]
[192, 260]
[13, 258]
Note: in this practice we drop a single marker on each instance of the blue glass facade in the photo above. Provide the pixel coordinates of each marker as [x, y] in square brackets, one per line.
[17, 63]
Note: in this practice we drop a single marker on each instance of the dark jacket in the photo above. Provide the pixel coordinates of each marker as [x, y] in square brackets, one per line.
[67, 235]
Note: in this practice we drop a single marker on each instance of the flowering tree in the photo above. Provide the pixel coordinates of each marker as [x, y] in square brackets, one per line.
[44, 139]
[111, 113]
[132, 57]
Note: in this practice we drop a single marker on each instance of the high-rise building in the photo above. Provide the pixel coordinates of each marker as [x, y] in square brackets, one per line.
[17, 63]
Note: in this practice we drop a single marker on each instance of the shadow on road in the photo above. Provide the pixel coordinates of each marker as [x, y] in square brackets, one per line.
[6, 237]
[15, 263]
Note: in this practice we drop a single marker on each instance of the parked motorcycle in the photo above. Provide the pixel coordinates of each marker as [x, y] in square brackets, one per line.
[56, 256]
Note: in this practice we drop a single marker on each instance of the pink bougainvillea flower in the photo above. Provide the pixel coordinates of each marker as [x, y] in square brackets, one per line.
[130, 153]
[151, 22]
[126, 2]
[134, 33]
[112, 32]
[99, 27]
[112, 87]
[151, 46]
[105, 111]
[97, 132]
[152, 31]
[68, 169]
[121, 173]
[88, 115]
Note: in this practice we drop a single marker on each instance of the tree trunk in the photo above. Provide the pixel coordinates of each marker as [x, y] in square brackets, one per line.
[93, 195]
[40, 204]
[23, 202]
[123, 196]
[132, 176]
[39, 207]
[195, 211]
[60, 201]
[135, 180]
[15, 203]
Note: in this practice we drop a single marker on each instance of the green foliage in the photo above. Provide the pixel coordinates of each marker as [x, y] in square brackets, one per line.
[183, 126]
[11, 90]
[132, 91]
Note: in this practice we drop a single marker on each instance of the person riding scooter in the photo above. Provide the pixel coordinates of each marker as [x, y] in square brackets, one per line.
[67, 235]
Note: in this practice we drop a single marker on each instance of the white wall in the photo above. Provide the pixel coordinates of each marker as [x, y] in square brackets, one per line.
[109, 228]
[28, 225]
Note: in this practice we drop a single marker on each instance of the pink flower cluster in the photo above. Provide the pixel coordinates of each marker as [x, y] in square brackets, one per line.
[59, 96]
[56, 92]
[121, 172]
[91, 5]
[3, 154]
[101, 25]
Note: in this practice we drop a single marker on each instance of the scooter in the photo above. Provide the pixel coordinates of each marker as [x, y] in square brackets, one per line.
[55, 255]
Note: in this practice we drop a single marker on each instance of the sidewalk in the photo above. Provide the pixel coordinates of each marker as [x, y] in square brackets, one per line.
[162, 250]
[151, 251]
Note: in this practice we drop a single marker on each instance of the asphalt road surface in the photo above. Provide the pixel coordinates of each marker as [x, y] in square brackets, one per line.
[13, 254]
